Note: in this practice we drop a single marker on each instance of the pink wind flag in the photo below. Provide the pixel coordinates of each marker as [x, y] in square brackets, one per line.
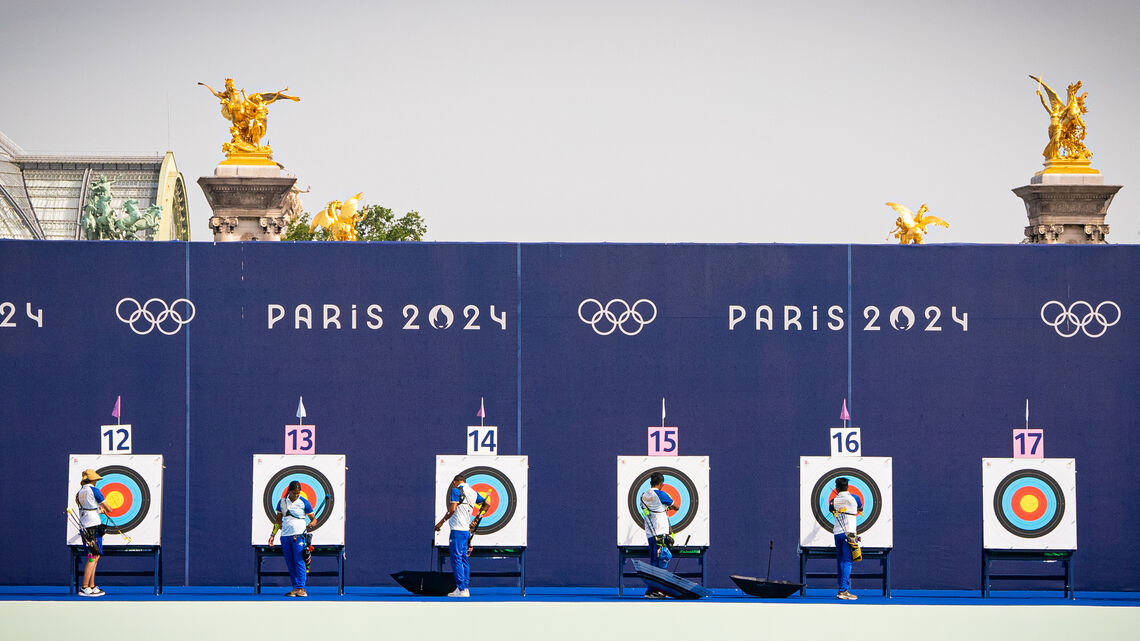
[118, 404]
[843, 415]
[482, 410]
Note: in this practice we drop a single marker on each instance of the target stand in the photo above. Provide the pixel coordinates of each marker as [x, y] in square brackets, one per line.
[687, 483]
[1029, 516]
[502, 534]
[132, 487]
[869, 478]
[322, 478]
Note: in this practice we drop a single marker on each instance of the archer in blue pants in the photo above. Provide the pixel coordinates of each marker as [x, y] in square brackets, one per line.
[460, 564]
[292, 548]
[843, 557]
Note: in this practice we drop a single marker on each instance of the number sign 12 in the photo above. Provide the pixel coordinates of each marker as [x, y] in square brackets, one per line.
[1029, 443]
[482, 439]
[663, 441]
[846, 441]
[115, 439]
[300, 439]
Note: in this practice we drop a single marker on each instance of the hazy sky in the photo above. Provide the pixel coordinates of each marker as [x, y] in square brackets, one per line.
[601, 121]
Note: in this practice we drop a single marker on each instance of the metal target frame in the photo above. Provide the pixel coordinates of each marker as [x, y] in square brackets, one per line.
[272, 471]
[692, 528]
[1053, 480]
[143, 471]
[511, 474]
[816, 476]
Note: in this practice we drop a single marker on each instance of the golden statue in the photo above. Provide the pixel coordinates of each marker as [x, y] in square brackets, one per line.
[247, 116]
[339, 219]
[1066, 151]
[911, 227]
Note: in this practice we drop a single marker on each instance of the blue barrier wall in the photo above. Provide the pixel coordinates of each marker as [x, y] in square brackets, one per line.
[937, 389]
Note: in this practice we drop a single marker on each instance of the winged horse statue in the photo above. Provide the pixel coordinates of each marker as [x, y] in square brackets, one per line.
[911, 227]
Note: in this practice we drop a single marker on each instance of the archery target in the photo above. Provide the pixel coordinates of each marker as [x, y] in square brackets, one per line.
[322, 481]
[686, 482]
[1029, 504]
[131, 487]
[503, 480]
[869, 478]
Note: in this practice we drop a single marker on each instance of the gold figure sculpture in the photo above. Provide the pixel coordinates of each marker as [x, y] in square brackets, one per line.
[339, 218]
[910, 228]
[247, 116]
[1066, 151]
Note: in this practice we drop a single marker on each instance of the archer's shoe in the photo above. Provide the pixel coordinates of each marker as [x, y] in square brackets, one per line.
[301, 592]
[846, 596]
[459, 593]
[291, 593]
[91, 592]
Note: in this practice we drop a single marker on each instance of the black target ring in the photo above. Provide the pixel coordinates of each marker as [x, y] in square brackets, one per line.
[109, 472]
[1036, 479]
[504, 486]
[323, 510]
[633, 497]
[827, 482]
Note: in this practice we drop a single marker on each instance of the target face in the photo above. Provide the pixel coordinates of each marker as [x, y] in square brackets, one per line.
[322, 485]
[678, 486]
[686, 482]
[503, 480]
[132, 488]
[868, 478]
[1029, 503]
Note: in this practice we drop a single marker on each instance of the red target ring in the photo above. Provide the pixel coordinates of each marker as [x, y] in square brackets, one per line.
[1029, 503]
[491, 503]
[118, 498]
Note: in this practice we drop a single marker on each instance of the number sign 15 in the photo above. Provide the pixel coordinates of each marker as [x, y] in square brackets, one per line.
[663, 441]
[300, 439]
[482, 439]
[115, 439]
[1029, 443]
[846, 441]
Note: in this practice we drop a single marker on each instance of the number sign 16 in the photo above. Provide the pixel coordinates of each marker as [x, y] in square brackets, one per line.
[300, 439]
[1029, 443]
[845, 441]
[663, 441]
[482, 439]
[115, 439]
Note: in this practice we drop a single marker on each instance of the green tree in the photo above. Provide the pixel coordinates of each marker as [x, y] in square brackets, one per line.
[375, 223]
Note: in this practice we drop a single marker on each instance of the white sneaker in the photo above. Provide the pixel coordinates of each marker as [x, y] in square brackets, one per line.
[459, 593]
[91, 592]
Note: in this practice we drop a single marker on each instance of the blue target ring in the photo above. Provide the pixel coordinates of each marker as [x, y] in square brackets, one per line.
[678, 485]
[322, 498]
[504, 494]
[1029, 503]
[128, 495]
[858, 483]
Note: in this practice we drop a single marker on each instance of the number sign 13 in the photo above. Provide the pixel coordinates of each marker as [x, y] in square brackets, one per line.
[846, 441]
[300, 439]
[1029, 443]
[115, 439]
[663, 441]
[482, 439]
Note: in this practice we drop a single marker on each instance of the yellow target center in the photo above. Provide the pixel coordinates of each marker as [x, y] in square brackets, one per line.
[1029, 503]
[114, 499]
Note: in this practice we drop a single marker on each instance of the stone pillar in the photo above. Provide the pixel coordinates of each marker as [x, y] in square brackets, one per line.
[248, 201]
[1066, 208]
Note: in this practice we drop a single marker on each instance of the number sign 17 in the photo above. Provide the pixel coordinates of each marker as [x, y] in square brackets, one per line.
[482, 439]
[115, 439]
[300, 439]
[846, 441]
[1029, 443]
[664, 441]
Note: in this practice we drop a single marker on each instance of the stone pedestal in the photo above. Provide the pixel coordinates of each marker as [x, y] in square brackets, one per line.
[248, 201]
[1066, 208]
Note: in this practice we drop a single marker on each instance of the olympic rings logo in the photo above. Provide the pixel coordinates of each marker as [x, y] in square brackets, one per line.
[158, 314]
[618, 314]
[1079, 317]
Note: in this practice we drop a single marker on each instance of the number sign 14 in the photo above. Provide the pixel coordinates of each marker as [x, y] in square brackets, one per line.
[846, 441]
[482, 439]
[300, 439]
[115, 439]
[1029, 443]
[663, 441]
